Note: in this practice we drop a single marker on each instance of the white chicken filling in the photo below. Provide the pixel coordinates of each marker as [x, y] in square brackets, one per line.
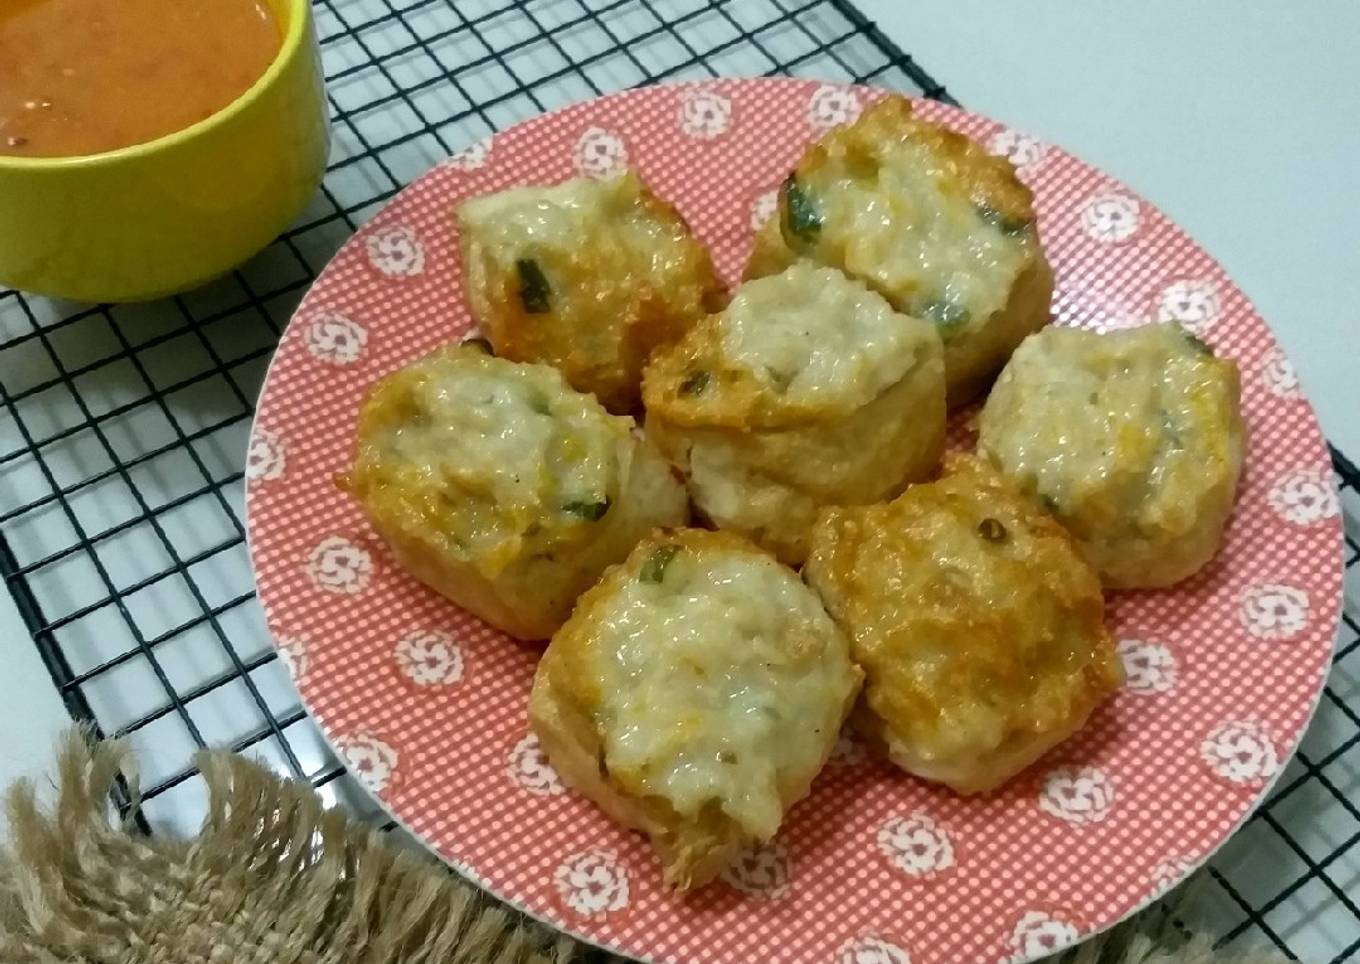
[511, 446]
[1118, 424]
[913, 232]
[513, 225]
[720, 675]
[818, 337]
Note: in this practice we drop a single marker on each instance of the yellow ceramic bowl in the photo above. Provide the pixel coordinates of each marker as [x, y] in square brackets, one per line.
[164, 216]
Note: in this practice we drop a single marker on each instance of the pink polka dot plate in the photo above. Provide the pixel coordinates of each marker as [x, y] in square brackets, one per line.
[427, 705]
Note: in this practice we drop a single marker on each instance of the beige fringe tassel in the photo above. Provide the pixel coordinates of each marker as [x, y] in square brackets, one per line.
[275, 878]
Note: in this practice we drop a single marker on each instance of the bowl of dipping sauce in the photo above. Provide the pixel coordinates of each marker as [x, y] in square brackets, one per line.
[148, 146]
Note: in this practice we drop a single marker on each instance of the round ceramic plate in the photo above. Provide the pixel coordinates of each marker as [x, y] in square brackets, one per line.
[426, 704]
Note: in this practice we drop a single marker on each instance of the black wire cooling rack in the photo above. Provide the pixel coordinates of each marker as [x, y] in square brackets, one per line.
[123, 428]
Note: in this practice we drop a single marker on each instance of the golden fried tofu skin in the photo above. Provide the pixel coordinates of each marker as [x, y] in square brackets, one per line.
[807, 390]
[694, 694]
[588, 275]
[501, 487]
[928, 219]
[1133, 439]
[977, 623]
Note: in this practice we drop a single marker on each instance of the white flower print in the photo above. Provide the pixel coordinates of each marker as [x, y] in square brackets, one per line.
[831, 105]
[872, 950]
[1168, 874]
[592, 883]
[529, 767]
[916, 844]
[761, 870]
[847, 751]
[371, 760]
[1273, 611]
[472, 157]
[264, 456]
[1077, 794]
[430, 658]
[1240, 751]
[704, 113]
[293, 655]
[1305, 496]
[338, 565]
[600, 153]
[1110, 217]
[1022, 150]
[1118, 320]
[1192, 303]
[764, 208]
[1279, 376]
[395, 252]
[1148, 667]
[335, 339]
[1038, 933]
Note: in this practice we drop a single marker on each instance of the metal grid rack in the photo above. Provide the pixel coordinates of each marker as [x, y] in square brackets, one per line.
[122, 428]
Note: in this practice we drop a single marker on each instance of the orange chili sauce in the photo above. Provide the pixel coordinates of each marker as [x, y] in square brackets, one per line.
[87, 76]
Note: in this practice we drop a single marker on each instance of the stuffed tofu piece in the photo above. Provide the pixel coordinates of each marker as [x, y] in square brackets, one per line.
[978, 625]
[694, 694]
[501, 487]
[928, 219]
[589, 275]
[1133, 439]
[807, 390]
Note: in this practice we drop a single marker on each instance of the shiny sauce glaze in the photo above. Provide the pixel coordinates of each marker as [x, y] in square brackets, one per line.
[82, 77]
